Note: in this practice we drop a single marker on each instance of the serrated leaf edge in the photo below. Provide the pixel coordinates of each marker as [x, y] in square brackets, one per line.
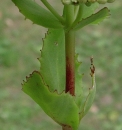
[28, 77]
[84, 19]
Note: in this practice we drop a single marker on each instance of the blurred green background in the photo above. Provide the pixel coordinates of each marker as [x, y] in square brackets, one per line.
[20, 44]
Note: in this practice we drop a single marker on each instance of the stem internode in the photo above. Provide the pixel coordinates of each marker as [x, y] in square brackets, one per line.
[70, 51]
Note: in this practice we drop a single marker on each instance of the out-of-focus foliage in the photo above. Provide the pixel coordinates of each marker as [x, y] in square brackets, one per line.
[20, 42]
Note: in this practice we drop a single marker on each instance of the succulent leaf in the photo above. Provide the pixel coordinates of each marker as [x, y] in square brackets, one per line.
[93, 19]
[38, 15]
[52, 59]
[60, 107]
[89, 99]
[78, 83]
[88, 11]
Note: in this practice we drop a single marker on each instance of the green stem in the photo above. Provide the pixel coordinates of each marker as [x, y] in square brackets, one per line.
[53, 11]
[78, 16]
[76, 10]
[70, 52]
[70, 57]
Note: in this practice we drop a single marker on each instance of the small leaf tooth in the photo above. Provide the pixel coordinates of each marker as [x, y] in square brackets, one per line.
[19, 10]
[43, 39]
[23, 83]
[55, 91]
[77, 59]
[38, 59]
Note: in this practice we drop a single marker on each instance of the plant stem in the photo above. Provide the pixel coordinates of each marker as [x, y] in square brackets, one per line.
[78, 16]
[52, 10]
[70, 67]
[70, 51]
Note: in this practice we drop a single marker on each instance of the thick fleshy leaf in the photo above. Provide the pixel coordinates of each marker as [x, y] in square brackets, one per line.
[38, 15]
[89, 10]
[82, 12]
[53, 60]
[89, 100]
[78, 83]
[93, 19]
[61, 108]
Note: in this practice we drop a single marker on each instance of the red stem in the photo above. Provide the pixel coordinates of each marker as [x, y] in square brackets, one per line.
[70, 67]
[70, 79]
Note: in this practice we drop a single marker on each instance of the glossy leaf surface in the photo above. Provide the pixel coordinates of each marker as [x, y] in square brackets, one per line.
[38, 15]
[60, 108]
[53, 60]
[89, 10]
[93, 19]
[78, 83]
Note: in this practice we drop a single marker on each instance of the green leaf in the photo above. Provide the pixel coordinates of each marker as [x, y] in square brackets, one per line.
[84, 103]
[89, 10]
[60, 107]
[89, 100]
[78, 83]
[38, 15]
[93, 19]
[53, 60]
